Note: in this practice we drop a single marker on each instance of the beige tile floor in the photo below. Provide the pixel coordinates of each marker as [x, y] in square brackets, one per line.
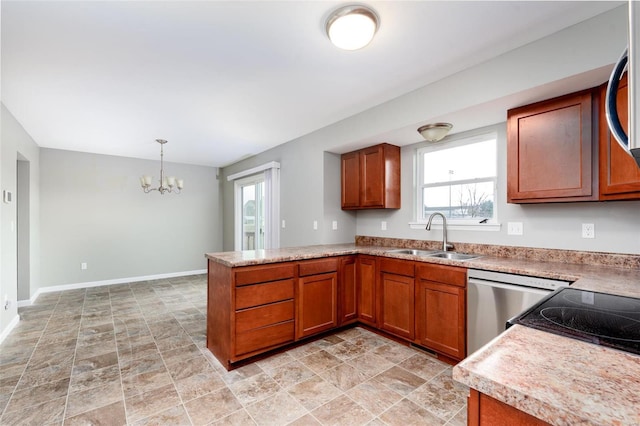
[136, 354]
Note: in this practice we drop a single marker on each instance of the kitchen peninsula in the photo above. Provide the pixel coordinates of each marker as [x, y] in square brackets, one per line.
[553, 378]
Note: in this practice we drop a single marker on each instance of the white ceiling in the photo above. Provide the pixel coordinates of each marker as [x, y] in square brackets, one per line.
[222, 80]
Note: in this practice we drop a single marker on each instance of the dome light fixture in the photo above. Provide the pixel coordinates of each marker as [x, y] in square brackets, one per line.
[352, 27]
[435, 132]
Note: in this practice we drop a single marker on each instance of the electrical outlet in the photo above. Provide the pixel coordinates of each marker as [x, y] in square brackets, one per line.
[83, 266]
[334, 225]
[283, 224]
[383, 225]
[315, 225]
[7, 302]
[514, 228]
[588, 230]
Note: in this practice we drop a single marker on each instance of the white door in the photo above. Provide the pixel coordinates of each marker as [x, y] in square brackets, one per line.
[250, 213]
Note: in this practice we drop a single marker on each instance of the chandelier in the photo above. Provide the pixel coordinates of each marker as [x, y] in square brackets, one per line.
[167, 184]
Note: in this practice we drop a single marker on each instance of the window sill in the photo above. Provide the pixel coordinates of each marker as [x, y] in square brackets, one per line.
[459, 226]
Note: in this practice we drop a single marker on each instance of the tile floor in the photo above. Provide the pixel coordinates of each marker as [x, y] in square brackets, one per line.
[136, 354]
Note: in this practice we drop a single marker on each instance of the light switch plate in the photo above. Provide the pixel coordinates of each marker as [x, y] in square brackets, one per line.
[315, 225]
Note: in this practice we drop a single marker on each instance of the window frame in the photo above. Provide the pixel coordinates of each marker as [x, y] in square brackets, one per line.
[420, 220]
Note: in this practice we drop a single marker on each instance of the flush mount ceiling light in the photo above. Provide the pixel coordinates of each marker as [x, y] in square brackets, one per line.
[167, 184]
[352, 27]
[434, 132]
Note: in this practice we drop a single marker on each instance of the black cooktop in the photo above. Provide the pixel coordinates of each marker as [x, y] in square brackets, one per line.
[599, 318]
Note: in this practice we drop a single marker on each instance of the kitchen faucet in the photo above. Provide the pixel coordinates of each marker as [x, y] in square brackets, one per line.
[445, 246]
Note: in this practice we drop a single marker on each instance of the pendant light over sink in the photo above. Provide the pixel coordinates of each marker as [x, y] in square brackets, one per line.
[434, 132]
[352, 27]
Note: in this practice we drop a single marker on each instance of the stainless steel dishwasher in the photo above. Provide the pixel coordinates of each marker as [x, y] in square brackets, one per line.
[495, 297]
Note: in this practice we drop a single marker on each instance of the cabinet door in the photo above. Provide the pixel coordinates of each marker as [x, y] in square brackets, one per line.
[397, 304]
[372, 177]
[351, 180]
[619, 173]
[317, 304]
[549, 151]
[484, 410]
[440, 318]
[366, 282]
[348, 291]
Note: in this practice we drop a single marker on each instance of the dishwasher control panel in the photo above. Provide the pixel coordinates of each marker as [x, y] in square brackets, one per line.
[523, 280]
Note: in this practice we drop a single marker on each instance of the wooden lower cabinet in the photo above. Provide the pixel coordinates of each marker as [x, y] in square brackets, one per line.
[483, 410]
[255, 309]
[441, 309]
[317, 298]
[397, 297]
[249, 310]
[348, 290]
[366, 280]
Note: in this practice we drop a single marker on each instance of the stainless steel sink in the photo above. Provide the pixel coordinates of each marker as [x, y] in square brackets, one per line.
[414, 252]
[454, 256]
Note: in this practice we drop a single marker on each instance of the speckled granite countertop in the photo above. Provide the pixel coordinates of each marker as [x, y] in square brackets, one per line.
[560, 380]
[607, 279]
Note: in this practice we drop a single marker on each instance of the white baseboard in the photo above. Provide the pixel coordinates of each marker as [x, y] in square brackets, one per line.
[9, 328]
[88, 284]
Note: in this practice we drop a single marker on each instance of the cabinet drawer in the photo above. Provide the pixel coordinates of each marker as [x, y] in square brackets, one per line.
[262, 316]
[261, 294]
[314, 267]
[262, 273]
[399, 267]
[265, 337]
[443, 274]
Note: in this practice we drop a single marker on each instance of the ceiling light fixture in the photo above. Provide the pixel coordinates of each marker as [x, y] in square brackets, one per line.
[167, 184]
[435, 132]
[352, 27]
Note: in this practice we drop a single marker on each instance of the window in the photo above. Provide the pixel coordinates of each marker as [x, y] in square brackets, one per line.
[458, 179]
[257, 207]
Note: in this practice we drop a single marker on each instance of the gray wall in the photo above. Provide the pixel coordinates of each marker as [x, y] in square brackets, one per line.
[93, 210]
[569, 60]
[17, 144]
[304, 187]
[556, 225]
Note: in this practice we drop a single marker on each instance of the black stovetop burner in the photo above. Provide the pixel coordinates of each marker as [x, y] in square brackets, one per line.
[600, 318]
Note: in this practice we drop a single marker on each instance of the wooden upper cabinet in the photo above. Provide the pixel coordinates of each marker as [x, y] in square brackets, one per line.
[371, 178]
[550, 155]
[351, 180]
[619, 173]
